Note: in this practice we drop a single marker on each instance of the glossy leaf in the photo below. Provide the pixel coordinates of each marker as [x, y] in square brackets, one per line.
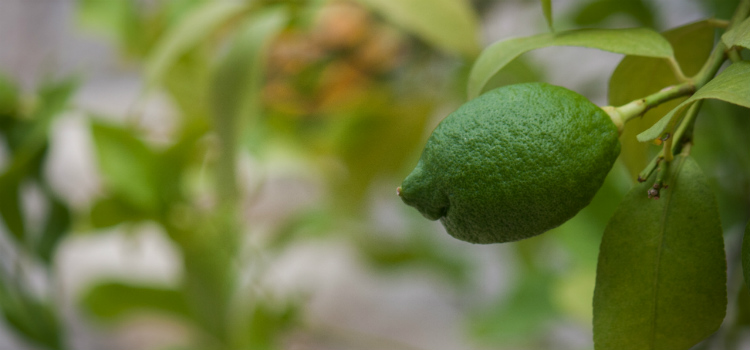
[127, 164]
[450, 25]
[636, 77]
[731, 85]
[631, 41]
[661, 276]
[194, 28]
[113, 300]
[547, 9]
[739, 36]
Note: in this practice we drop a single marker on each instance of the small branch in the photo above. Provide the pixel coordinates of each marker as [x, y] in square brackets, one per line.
[637, 107]
[709, 70]
[677, 70]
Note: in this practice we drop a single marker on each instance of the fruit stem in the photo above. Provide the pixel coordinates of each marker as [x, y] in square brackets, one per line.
[615, 117]
[636, 108]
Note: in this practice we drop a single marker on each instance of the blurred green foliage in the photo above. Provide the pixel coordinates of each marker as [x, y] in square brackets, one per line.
[346, 89]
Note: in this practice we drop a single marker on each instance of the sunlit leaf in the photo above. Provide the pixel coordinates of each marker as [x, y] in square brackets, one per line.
[661, 277]
[631, 41]
[127, 164]
[731, 85]
[113, 300]
[186, 82]
[103, 16]
[194, 28]
[450, 25]
[547, 9]
[739, 36]
[235, 87]
[636, 77]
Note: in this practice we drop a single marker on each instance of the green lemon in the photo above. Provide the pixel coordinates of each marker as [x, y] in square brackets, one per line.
[513, 163]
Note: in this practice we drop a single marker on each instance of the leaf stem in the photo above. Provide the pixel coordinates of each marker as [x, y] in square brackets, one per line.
[708, 71]
[682, 137]
[677, 70]
[734, 55]
[636, 108]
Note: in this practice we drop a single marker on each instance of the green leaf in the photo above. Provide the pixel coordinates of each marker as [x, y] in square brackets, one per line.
[128, 165]
[56, 226]
[524, 314]
[661, 276]
[236, 85]
[731, 85]
[194, 28]
[28, 143]
[739, 36]
[547, 9]
[636, 77]
[9, 98]
[631, 41]
[746, 255]
[113, 300]
[31, 318]
[266, 324]
[594, 13]
[10, 206]
[115, 210]
[451, 25]
[107, 17]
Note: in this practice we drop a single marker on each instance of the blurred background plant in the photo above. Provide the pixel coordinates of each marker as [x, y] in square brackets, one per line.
[226, 179]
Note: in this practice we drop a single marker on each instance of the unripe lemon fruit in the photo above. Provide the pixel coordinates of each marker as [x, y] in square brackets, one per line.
[513, 163]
